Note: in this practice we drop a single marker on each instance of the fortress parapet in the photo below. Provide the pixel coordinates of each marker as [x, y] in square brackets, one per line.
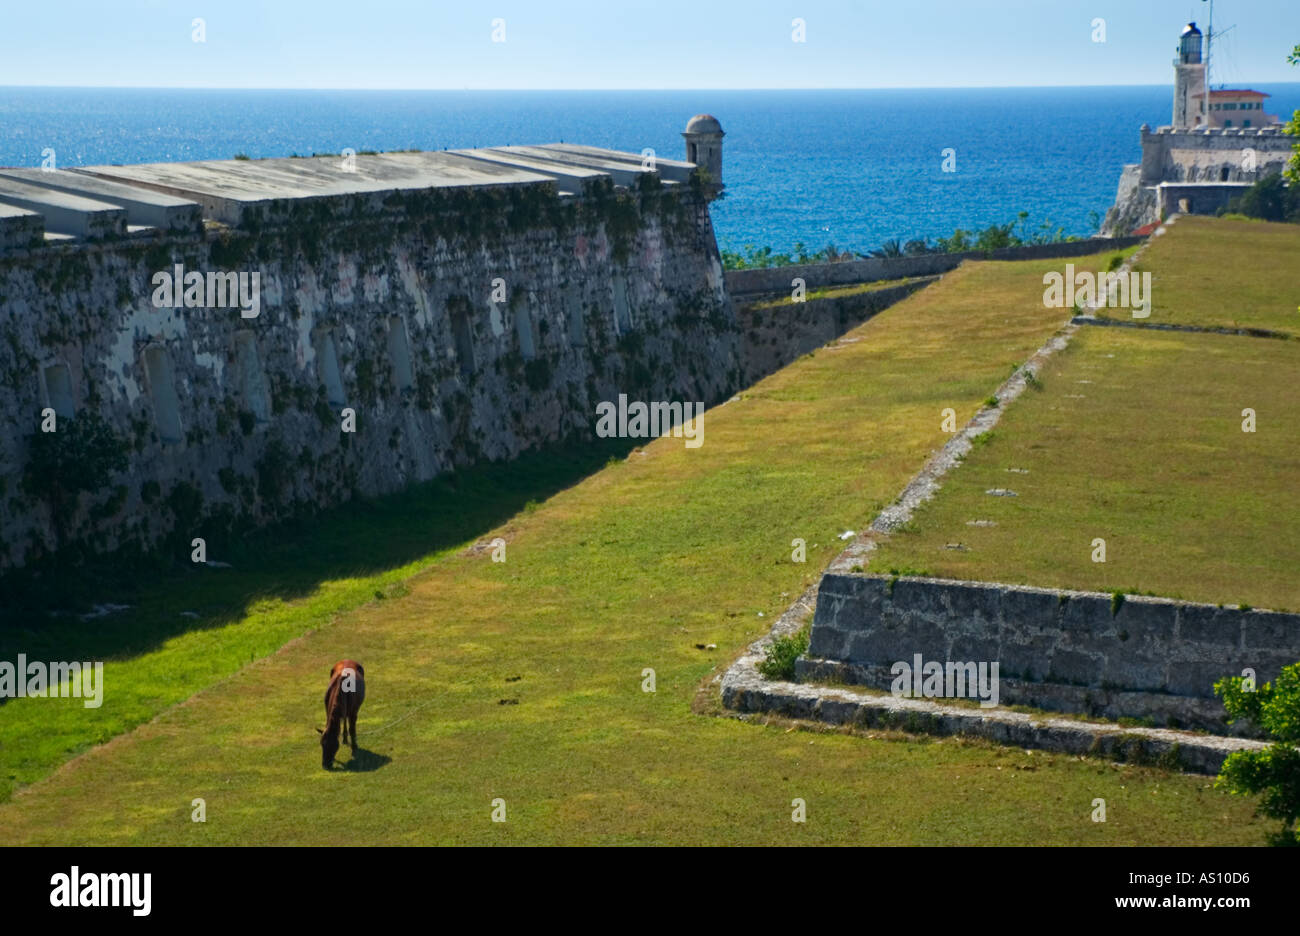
[234, 342]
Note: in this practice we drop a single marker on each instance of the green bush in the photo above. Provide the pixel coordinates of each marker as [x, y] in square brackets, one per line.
[1269, 199]
[1274, 772]
[779, 663]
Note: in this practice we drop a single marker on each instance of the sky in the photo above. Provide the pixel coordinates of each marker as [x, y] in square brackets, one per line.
[641, 44]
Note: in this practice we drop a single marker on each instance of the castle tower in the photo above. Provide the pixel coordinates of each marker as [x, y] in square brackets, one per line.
[703, 137]
[1189, 81]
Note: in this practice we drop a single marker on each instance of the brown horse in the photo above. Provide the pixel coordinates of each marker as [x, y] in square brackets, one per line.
[343, 700]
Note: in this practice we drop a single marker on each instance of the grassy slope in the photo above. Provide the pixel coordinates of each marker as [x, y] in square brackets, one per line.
[1195, 281]
[1136, 437]
[631, 569]
[282, 584]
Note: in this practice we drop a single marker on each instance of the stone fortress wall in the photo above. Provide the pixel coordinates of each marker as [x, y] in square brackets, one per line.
[459, 306]
[773, 335]
[1193, 171]
[1223, 154]
[1085, 652]
[772, 281]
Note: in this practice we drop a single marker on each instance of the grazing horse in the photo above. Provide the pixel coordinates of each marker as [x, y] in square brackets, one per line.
[343, 700]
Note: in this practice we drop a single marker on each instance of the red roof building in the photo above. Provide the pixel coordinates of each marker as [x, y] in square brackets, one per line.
[1236, 107]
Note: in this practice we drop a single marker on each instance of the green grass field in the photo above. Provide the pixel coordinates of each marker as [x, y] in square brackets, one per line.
[1223, 273]
[283, 583]
[1136, 438]
[523, 680]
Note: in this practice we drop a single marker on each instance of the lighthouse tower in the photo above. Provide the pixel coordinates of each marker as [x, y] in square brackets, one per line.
[1189, 81]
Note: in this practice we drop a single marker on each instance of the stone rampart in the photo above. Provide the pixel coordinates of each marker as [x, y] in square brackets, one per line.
[1084, 652]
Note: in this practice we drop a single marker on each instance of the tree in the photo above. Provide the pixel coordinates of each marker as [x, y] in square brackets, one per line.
[1275, 771]
[1292, 128]
[1270, 199]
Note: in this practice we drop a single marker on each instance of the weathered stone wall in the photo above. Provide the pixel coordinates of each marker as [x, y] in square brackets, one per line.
[20, 228]
[1195, 197]
[226, 422]
[1062, 650]
[774, 280]
[1243, 154]
[772, 336]
[1226, 154]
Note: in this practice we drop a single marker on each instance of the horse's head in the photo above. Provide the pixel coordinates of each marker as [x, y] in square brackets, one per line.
[329, 746]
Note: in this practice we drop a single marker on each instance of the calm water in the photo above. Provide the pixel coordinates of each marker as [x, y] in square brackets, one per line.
[849, 167]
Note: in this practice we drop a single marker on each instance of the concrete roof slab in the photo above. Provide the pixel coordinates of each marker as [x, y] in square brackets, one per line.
[65, 213]
[142, 206]
[225, 187]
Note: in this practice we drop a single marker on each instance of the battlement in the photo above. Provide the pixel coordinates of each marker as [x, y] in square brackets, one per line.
[235, 341]
[1205, 154]
[98, 203]
[1190, 137]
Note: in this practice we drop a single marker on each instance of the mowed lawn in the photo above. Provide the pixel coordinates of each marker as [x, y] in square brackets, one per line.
[523, 681]
[179, 628]
[1223, 273]
[1136, 438]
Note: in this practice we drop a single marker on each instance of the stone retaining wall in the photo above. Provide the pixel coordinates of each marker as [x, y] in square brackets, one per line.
[773, 336]
[1085, 652]
[773, 280]
[443, 329]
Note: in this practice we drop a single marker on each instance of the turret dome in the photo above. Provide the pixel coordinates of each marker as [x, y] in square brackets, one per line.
[703, 123]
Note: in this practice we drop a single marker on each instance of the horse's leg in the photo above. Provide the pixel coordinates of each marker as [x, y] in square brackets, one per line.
[352, 720]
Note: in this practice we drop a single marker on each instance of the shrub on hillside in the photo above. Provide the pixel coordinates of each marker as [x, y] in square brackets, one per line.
[1269, 199]
[1274, 773]
[779, 663]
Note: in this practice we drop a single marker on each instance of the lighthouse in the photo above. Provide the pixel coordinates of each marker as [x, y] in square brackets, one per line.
[1189, 81]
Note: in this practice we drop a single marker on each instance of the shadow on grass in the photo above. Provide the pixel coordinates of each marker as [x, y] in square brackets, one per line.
[365, 761]
[40, 613]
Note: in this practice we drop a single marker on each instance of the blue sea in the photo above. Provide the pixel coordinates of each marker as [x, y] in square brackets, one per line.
[848, 167]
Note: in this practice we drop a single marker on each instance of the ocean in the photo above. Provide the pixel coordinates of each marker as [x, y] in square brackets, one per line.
[851, 168]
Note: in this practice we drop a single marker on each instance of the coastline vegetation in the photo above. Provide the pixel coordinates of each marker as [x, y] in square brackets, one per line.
[1015, 233]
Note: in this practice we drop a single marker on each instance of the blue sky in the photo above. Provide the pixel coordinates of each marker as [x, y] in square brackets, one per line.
[630, 43]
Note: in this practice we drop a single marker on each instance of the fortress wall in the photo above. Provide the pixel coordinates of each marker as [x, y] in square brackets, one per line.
[20, 228]
[1063, 650]
[774, 280]
[1233, 154]
[773, 336]
[1248, 154]
[225, 422]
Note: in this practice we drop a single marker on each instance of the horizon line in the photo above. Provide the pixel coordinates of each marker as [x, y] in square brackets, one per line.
[77, 87]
